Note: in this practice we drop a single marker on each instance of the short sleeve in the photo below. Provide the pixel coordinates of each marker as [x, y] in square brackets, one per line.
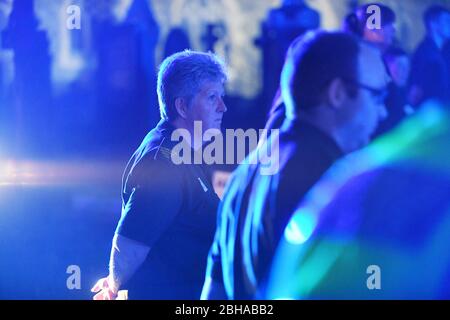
[155, 198]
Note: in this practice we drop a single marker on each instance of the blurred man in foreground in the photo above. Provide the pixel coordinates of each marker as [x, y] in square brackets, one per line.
[333, 87]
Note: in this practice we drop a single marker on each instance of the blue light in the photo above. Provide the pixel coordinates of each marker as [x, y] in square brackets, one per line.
[300, 227]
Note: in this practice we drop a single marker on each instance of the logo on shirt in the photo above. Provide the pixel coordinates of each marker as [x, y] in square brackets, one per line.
[203, 185]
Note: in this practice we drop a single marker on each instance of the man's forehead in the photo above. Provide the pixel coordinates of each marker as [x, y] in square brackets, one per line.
[208, 85]
[371, 67]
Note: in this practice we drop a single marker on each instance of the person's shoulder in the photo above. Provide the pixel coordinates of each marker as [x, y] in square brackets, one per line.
[156, 158]
[157, 145]
[153, 158]
[426, 50]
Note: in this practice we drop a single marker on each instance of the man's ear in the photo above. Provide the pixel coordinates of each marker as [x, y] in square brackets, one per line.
[182, 107]
[336, 93]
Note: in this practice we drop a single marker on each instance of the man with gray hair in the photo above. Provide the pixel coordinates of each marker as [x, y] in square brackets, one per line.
[160, 246]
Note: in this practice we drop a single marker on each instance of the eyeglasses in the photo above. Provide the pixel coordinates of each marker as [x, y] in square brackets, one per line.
[379, 95]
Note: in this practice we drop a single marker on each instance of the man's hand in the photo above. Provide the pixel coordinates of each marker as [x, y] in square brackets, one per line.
[126, 256]
[105, 289]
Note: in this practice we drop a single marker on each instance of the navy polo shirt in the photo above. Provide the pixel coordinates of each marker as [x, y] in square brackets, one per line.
[172, 209]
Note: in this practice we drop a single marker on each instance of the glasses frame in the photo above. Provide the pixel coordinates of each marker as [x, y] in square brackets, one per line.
[379, 94]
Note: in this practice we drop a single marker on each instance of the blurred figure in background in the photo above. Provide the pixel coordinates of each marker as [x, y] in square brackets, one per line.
[282, 25]
[430, 78]
[398, 65]
[360, 23]
[125, 78]
[177, 40]
[32, 100]
[333, 88]
[377, 226]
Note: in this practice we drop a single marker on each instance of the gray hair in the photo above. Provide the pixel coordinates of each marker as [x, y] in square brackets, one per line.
[181, 75]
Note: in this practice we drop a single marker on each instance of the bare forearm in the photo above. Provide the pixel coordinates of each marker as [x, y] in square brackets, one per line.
[126, 257]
